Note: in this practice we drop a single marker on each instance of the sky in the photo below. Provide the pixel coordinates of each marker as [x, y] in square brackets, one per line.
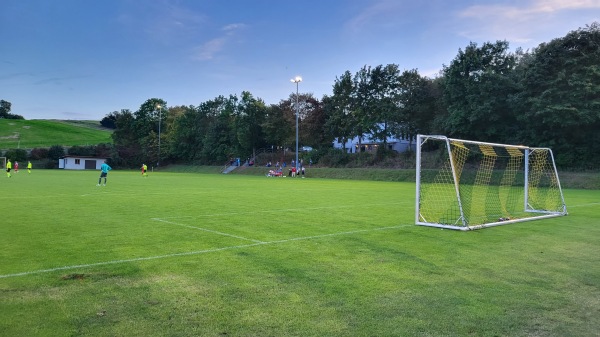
[81, 60]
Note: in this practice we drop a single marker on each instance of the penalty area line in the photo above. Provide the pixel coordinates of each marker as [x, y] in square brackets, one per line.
[206, 230]
[584, 205]
[198, 252]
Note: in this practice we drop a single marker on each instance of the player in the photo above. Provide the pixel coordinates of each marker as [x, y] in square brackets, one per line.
[144, 170]
[8, 168]
[104, 172]
[29, 167]
[16, 166]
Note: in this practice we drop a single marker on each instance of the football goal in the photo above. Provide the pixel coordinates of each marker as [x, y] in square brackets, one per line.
[3, 163]
[466, 185]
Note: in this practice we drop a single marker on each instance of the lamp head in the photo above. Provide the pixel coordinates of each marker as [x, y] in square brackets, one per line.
[296, 79]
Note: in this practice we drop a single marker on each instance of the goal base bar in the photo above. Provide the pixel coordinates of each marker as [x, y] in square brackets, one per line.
[491, 224]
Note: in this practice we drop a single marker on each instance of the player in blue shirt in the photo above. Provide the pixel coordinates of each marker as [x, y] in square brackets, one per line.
[104, 172]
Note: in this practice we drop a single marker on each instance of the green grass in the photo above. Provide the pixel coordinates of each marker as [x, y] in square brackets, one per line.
[189, 254]
[27, 134]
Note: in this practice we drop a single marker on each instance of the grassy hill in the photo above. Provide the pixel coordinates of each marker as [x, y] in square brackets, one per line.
[27, 134]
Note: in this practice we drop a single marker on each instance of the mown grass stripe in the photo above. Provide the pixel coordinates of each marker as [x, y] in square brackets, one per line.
[257, 243]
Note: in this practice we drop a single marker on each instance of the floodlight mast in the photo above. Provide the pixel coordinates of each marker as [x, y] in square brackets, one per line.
[296, 80]
[159, 107]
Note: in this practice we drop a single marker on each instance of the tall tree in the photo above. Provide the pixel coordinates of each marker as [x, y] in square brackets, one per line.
[288, 109]
[276, 126]
[125, 138]
[363, 119]
[384, 101]
[312, 124]
[417, 101]
[149, 122]
[561, 97]
[477, 91]
[339, 109]
[188, 134]
[220, 141]
[250, 120]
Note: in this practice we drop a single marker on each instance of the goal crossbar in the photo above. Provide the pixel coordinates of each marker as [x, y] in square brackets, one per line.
[465, 185]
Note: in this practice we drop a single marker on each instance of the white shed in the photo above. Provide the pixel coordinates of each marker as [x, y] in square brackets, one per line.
[80, 163]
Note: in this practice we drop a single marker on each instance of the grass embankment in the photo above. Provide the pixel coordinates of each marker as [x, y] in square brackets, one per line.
[576, 180]
[28, 134]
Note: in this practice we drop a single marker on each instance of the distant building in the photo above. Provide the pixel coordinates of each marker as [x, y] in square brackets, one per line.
[369, 145]
[80, 163]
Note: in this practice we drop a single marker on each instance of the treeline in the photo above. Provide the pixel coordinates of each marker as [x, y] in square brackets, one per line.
[545, 97]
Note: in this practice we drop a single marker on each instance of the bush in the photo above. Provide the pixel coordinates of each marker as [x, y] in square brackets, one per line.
[55, 152]
[87, 151]
[51, 164]
[38, 153]
[334, 158]
[383, 153]
[104, 150]
[16, 155]
[362, 159]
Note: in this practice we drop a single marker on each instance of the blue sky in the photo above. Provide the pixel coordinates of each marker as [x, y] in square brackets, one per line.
[78, 59]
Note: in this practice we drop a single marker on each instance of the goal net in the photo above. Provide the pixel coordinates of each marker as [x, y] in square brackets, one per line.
[466, 185]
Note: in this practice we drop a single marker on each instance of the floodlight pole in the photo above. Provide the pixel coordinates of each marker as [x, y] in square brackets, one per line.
[159, 120]
[296, 80]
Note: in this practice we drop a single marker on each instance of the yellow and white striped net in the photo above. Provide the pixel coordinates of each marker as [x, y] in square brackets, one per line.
[481, 183]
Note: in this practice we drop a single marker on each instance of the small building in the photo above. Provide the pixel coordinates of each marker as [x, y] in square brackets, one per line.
[368, 145]
[80, 163]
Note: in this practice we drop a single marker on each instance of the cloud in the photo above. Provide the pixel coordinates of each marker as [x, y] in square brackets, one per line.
[60, 80]
[210, 49]
[534, 9]
[373, 14]
[522, 23]
[15, 76]
[559, 5]
[162, 21]
[231, 28]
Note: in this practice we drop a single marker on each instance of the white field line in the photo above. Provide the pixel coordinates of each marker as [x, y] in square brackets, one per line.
[198, 252]
[100, 190]
[103, 190]
[206, 230]
[584, 205]
[281, 210]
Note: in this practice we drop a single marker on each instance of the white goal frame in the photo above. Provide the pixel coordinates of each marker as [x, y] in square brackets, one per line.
[468, 185]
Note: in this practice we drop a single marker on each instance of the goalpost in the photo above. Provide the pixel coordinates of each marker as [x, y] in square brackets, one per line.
[3, 163]
[466, 185]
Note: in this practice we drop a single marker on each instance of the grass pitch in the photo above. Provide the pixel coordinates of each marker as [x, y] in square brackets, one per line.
[180, 254]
